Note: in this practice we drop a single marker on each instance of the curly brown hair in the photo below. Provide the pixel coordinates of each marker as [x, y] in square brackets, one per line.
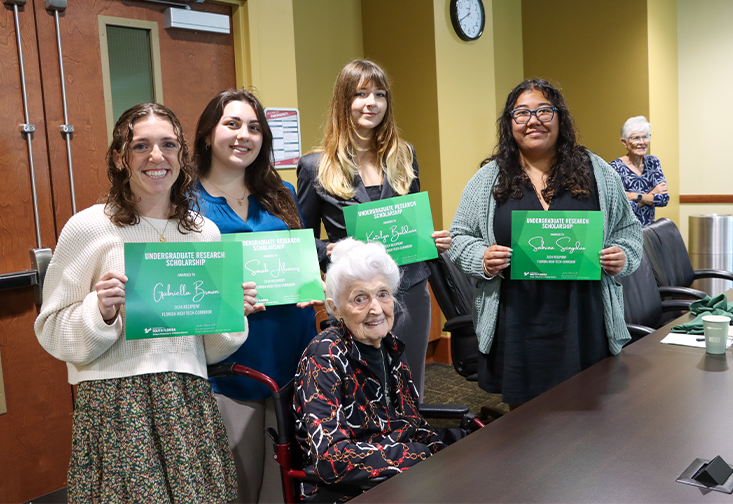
[570, 171]
[261, 178]
[121, 201]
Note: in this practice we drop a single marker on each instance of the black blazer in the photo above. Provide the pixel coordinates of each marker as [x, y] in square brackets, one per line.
[318, 205]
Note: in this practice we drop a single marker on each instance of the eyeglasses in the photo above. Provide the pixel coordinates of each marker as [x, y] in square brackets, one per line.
[543, 114]
[637, 139]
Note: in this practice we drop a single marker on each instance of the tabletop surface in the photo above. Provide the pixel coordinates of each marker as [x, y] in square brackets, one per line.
[621, 431]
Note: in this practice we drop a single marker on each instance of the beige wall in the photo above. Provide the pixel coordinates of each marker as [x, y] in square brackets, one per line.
[403, 42]
[705, 74]
[268, 39]
[597, 53]
[444, 91]
[663, 102]
[327, 36]
[466, 104]
[508, 54]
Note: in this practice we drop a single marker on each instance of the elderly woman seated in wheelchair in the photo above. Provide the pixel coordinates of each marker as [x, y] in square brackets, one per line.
[356, 406]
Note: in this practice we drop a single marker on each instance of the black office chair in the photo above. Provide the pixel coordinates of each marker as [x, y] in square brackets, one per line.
[670, 261]
[288, 452]
[643, 305]
[453, 291]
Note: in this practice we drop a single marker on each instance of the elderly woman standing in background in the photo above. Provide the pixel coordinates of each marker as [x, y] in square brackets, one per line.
[641, 173]
[534, 334]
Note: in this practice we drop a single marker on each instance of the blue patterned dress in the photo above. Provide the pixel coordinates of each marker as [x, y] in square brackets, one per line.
[650, 178]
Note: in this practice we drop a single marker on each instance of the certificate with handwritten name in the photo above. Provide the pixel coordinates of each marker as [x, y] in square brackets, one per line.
[183, 289]
[403, 224]
[556, 245]
[283, 264]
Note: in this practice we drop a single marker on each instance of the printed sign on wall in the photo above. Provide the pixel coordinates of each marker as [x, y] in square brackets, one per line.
[285, 126]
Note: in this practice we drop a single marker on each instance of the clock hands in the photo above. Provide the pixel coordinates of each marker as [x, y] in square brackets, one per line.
[470, 11]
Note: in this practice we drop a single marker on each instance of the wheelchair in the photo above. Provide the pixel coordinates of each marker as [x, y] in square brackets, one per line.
[288, 452]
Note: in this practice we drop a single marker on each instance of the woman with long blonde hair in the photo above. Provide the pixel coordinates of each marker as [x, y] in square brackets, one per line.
[362, 158]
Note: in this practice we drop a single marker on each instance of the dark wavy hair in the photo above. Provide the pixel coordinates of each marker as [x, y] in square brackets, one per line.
[570, 171]
[120, 200]
[260, 177]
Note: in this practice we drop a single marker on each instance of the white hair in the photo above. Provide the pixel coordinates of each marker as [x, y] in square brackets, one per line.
[355, 261]
[635, 125]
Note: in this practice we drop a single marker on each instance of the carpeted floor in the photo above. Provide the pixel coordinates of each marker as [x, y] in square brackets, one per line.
[443, 385]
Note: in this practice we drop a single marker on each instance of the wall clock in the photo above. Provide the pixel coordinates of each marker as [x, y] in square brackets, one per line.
[468, 18]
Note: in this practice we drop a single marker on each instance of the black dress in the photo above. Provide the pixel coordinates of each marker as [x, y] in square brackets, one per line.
[547, 330]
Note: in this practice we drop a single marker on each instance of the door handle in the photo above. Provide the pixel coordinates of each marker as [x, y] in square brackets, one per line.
[66, 129]
[26, 128]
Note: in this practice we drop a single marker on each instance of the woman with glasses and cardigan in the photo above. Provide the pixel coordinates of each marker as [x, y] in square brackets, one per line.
[641, 174]
[534, 334]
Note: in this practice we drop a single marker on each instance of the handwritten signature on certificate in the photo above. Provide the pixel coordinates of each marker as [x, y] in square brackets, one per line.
[199, 292]
[253, 266]
[561, 244]
[394, 234]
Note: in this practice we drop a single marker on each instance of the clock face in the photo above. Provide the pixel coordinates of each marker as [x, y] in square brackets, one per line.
[468, 18]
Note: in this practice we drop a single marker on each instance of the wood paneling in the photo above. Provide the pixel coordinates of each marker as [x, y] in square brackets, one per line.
[195, 67]
[35, 434]
[706, 198]
[17, 228]
[199, 66]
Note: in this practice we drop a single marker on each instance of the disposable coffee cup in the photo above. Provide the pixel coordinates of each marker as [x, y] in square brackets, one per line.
[716, 333]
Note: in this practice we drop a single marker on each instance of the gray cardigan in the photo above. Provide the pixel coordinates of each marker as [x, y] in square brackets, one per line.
[472, 232]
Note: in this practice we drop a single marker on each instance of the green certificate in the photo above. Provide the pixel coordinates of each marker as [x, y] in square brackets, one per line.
[403, 224]
[284, 264]
[556, 245]
[182, 289]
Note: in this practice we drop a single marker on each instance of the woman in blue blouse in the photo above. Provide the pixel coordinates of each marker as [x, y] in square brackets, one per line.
[641, 174]
[241, 192]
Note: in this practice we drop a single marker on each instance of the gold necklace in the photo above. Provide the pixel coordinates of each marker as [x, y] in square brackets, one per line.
[239, 200]
[162, 238]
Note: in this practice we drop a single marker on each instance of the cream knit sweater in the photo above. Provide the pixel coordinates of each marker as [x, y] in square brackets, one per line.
[70, 326]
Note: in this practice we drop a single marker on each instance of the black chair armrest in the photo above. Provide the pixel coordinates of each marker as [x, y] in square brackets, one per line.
[221, 369]
[676, 304]
[310, 475]
[637, 331]
[714, 273]
[678, 292]
[460, 322]
[443, 410]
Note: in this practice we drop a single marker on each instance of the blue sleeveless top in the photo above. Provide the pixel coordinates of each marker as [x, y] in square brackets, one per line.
[277, 336]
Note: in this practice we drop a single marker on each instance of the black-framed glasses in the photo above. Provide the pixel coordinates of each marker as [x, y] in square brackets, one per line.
[543, 114]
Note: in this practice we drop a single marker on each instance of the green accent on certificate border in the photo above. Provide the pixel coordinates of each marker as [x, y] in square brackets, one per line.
[556, 245]
[283, 264]
[183, 289]
[403, 224]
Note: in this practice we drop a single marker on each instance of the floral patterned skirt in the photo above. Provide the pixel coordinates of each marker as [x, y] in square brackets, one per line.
[150, 438]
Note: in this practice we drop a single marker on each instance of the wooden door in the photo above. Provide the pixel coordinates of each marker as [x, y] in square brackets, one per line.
[35, 433]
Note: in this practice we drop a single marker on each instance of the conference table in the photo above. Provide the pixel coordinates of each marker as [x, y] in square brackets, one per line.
[623, 430]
